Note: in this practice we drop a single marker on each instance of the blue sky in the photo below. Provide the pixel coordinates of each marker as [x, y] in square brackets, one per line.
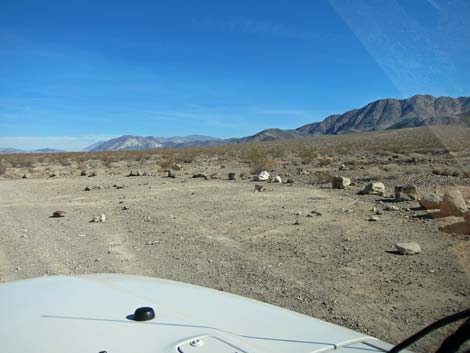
[75, 72]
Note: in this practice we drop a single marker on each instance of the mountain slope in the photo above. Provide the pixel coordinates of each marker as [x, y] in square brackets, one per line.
[385, 114]
[419, 110]
[128, 142]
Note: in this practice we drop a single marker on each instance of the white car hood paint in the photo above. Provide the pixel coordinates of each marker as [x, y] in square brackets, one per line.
[90, 314]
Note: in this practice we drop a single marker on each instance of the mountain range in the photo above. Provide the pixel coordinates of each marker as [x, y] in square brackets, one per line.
[383, 114]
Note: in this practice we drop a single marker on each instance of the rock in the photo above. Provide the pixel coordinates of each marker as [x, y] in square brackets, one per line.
[342, 167]
[52, 175]
[200, 175]
[135, 173]
[93, 174]
[215, 176]
[275, 179]
[404, 192]
[373, 219]
[431, 201]
[340, 182]
[83, 172]
[259, 188]
[375, 188]
[390, 208]
[232, 176]
[87, 188]
[263, 176]
[453, 204]
[408, 248]
[58, 214]
[119, 186]
[25, 176]
[289, 181]
[98, 219]
[466, 216]
[170, 174]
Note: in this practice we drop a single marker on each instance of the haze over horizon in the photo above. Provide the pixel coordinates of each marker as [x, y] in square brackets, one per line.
[74, 73]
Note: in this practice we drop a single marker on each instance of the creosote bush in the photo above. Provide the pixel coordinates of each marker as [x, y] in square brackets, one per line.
[258, 160]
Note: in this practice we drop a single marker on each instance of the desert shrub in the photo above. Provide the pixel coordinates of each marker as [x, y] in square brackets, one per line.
[3, 168]
[466, 174]
[324, 162]
[258, 160]
[277, 152]
[308, 155]
[186, 156]
[167, 163]
[322, 177]
[22, 161]
[65, 162]
[446, 172]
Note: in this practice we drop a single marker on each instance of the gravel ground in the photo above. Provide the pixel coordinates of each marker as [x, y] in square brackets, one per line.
[306, 248]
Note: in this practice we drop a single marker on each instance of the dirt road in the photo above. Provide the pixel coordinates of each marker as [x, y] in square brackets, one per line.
[304, 248]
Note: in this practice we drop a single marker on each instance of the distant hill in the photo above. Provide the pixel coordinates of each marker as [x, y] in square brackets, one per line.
[128, 142]
[15, 151]
[7, 150]
[384, 114]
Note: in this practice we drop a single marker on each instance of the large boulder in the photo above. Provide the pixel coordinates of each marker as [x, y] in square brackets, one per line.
[431, 201]
[375, 188]
[453, 204]
[340, 182]
[408, 248]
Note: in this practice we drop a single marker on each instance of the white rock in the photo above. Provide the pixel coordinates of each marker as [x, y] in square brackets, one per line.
[408, 248]
[263, 176]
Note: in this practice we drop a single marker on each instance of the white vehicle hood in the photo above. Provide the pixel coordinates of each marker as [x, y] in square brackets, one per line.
[93, 313]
